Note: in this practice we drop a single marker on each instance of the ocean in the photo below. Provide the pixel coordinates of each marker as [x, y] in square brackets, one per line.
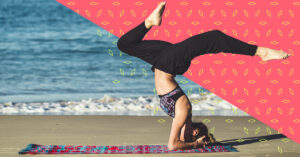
[55, 62]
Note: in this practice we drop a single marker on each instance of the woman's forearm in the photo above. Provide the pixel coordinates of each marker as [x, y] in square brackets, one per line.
[184, 145]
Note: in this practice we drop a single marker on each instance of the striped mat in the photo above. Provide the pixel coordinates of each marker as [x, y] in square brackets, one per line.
[126, 149]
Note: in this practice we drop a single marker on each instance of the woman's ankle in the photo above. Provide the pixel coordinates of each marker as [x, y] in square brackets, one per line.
[259, 52]
[148, 24]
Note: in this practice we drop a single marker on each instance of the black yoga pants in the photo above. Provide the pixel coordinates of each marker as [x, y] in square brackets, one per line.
[176, 58]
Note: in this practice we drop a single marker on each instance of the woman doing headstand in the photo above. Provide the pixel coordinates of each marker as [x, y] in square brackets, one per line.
[169, 59]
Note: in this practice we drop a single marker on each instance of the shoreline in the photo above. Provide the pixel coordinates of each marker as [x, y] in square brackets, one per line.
[207, 104]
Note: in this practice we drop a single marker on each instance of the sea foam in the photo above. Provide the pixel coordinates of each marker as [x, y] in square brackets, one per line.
[202, 104]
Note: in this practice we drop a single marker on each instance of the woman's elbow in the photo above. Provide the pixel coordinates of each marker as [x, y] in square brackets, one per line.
[171, 146]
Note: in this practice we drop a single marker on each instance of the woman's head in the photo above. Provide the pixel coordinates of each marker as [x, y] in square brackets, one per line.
[195, 130]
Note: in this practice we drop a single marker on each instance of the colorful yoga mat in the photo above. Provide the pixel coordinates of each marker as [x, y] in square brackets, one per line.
[128, 149]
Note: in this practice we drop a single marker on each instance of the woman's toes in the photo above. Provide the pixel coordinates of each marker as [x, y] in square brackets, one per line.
[287, 56]
[269, 54]
[156, 16]
[284, 54]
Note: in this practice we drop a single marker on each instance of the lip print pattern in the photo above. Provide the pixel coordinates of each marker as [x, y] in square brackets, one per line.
[167, 104]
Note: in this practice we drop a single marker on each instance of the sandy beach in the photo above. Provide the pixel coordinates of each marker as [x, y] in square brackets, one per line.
[258, 139]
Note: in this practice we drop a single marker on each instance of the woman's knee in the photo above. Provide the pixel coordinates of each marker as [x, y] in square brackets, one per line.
[217, 32]
[121, 44]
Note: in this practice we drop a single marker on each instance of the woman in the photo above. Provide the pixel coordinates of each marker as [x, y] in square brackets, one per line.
[168, 60]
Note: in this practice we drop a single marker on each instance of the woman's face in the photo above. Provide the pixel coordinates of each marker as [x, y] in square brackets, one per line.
[195, 132]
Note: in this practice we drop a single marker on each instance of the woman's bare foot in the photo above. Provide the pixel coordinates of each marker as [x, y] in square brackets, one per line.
[267, 54]
[154, 19]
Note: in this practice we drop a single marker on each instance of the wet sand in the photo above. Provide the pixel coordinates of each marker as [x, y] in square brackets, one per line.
[259, 140]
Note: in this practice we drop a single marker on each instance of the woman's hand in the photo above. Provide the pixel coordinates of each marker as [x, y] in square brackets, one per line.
[200, 142]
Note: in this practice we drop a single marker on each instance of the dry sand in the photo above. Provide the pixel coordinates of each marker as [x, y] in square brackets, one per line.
[18, 131]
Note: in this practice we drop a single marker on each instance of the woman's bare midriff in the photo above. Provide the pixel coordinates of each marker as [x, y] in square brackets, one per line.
[164, 82]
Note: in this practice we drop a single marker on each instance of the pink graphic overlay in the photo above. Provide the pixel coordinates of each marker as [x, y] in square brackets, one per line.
[265, 90]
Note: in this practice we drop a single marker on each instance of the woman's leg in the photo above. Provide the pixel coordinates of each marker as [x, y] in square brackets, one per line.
[214, 41]
[147, 50]
[133, 44]
[133, 36]
[176, 59]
